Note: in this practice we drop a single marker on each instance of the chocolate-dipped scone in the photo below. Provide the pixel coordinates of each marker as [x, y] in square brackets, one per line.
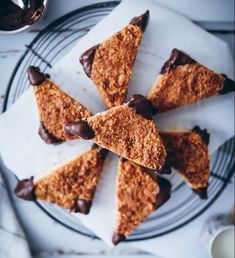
[56, 108]
[137, 197]
[127, 130]
[110, 64]
[188, 154]
[71, 186]
[183, 81]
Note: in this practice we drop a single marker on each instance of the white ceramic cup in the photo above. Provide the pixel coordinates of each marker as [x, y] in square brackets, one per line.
[217, 236]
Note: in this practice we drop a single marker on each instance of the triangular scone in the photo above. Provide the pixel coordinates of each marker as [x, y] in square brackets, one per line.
[127, 130]
[138, 195]
[110, 64]
[71, 186]
[188, 154]
[56, 108]
[183, 81]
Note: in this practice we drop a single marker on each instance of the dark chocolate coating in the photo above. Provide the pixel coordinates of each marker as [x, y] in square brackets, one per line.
[203, 132]
[122, 159]
[82, 206]
[141, 21]
[46, 136]
[25, 189]
[177, 58]
[166, 168]
[36, 77]
[142, 106]
[164, 193]
[151, 173]
[87, 59]
[81, 129]
[102, 152]
[202, 192]
[13, 17]
[229, 86]
[117, 238]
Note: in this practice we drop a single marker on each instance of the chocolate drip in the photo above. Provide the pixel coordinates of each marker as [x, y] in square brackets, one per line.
[142, 106]
[166, 168]
[164, 193]
[102, 152]
[204, 134]
[82, 206]
[141, 21]
[13, 17]
[151, 173]
[229, 86]
[95, 146]
[35, 76]
[47, 75]
[87, 59]
[25, 189]
[46, 136]
[177, 58]
[122, 159]
[81, 129]
[202, 192]
[117, 238]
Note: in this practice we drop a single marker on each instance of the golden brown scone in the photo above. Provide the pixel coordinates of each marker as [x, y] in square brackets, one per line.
[127, 130]
[110, 64]
[138, 195]
[188, 154]
[183, 81]
[71, 186]
[56, 108]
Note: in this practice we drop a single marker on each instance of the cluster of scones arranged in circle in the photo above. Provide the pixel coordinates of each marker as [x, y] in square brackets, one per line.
[126, 129]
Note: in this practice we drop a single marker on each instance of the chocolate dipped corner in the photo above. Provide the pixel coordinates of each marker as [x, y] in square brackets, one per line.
[141, 21]
[25, 189]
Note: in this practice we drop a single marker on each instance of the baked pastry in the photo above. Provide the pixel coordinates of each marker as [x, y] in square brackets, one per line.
[127, 130]
[110, 64]
[56, 108]
[137, 197]
[183, 81]
[71, 186]
[188, 154]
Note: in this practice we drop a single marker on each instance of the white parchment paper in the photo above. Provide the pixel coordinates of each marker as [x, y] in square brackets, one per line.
[26, 154]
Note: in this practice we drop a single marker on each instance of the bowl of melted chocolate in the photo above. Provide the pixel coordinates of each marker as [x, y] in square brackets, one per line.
[18, 15]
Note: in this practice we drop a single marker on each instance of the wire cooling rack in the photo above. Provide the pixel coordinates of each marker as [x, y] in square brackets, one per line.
[184, 206]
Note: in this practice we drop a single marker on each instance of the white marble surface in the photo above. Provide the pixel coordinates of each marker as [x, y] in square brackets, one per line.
[44, 234]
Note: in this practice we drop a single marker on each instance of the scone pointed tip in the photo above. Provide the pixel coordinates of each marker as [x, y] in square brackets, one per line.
[229, 86]
[25, 189]
[80, 129]
[87, 59]
[166, 168]
[46, 136]
[141, 21]
[35, 76]
[164, 193]
[204, 133]
[177, 58]
[201, 192]
[102, 152]
[117, 238]
[82, 206]
[122, 159]
[142, 106]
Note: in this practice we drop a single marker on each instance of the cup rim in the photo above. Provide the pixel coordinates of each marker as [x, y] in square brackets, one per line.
[7, 32]
[219, 231]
